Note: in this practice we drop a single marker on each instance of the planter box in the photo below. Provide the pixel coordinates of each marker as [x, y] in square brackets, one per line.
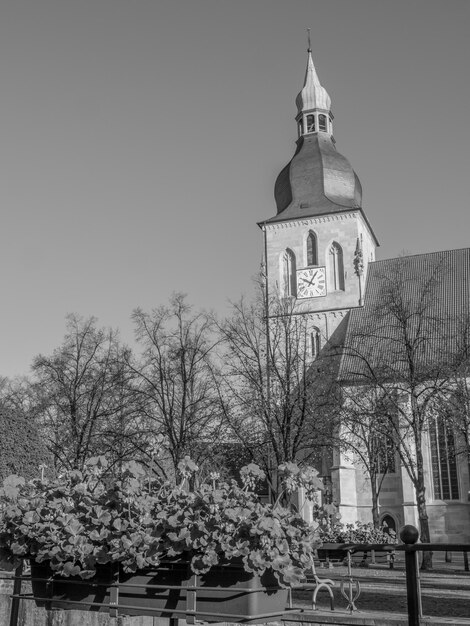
[332, 552]
[226, 593]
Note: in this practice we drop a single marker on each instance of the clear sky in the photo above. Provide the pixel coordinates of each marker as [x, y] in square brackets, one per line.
[140, 141]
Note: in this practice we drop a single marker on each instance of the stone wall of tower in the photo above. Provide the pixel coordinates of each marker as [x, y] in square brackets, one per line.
[344, 229]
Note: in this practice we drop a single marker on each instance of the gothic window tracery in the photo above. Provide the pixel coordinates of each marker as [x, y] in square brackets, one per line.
[384, 426]
[336, 267]
[444, 466]
[384, 446]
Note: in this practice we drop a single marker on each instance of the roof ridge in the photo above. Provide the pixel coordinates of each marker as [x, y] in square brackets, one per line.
[410, 256]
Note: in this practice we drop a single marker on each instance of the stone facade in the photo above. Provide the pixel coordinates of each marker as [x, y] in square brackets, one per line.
[449, 520]
[345, 229]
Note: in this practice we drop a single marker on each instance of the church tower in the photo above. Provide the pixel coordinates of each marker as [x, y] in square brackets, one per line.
[319, 243]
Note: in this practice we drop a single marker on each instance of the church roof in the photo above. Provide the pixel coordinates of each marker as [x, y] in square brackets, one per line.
[317, 181]
[428, 295]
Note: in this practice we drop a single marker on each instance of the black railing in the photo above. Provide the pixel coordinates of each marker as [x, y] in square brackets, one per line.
[409, 536]
[117, 606]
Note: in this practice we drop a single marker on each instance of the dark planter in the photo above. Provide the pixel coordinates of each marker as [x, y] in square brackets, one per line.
[332, 552]
[226, 593]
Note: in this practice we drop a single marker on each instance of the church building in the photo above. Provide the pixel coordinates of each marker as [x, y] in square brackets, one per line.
[320, 251]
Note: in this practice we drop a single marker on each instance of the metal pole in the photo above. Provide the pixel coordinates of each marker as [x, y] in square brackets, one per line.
[409, 535]
[191, 599]
[15, 602]
[411, 566]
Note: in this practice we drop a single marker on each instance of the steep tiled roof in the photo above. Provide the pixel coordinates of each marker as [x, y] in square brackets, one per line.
[317, 181]
[426, 296]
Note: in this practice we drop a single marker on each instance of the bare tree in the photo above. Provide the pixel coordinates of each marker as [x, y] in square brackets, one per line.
[272, 398]
[78, 394]
[366, 432]
[400, 344]
[124, 436]
[16, 394]
[176, 379]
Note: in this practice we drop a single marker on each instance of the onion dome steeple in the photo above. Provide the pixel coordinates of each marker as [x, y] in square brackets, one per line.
[318, 180]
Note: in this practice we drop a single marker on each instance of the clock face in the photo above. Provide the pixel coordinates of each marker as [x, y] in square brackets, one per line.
[311, 282]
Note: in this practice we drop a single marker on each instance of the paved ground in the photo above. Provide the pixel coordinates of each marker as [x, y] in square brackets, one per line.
[445, 591]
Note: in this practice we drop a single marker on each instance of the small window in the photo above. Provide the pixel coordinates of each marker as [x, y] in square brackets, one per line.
[288, 273]
[336, 267]
[315, 344]
[310, 123]
[300, 127]
[312, 258]
[322, 122]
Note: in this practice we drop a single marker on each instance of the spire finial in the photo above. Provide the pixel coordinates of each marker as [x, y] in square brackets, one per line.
[313, 95]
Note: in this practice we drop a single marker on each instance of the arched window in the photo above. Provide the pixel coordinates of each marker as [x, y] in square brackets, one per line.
[322, 122]
[299, 126]
[310, 123]
[336, 267]
[288, 273]
[385, 452]
[312, 256]
[315, 344]
[444, 466]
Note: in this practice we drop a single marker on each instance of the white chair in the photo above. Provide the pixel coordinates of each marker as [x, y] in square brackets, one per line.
[316, 585]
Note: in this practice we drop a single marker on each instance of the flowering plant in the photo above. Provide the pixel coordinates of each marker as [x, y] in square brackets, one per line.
[84, 519]
[356, 533]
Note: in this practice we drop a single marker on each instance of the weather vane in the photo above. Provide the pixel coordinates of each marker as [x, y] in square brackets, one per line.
[309, 44]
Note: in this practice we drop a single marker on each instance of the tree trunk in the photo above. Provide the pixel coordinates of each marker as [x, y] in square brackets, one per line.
[420, 490]
[424, 534]
[375, 502]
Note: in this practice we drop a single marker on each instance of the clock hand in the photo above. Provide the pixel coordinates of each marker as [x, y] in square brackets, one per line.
[310, 282]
